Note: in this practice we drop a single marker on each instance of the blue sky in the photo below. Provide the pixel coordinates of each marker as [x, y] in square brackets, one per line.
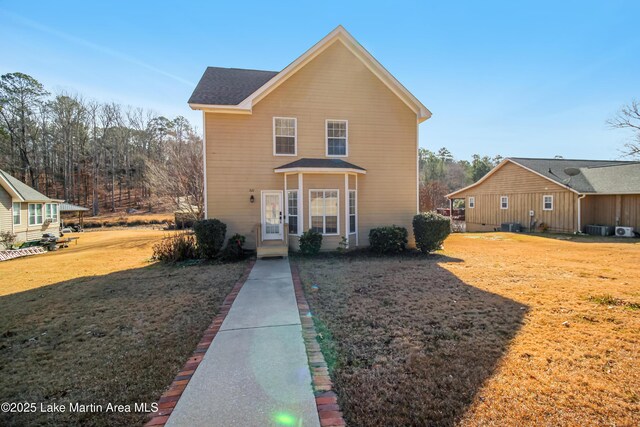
[531, 79]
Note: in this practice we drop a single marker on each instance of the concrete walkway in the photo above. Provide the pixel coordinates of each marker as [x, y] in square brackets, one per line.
[255, 373]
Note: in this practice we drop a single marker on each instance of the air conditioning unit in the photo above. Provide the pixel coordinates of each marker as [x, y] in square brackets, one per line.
[624, 231]
[599, 230]
[513, 227]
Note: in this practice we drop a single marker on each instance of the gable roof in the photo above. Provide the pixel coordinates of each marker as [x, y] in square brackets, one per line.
[216, 89]
[20, 190]
[228, 86]
[594, 177]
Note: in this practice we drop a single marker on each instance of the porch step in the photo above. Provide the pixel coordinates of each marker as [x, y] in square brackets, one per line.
[272, 250]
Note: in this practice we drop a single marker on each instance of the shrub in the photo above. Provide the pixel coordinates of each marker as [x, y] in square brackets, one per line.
[310, 242]
[389, 239]
[430, 229]
[234, 250]
[179, 247]
[7, 239]
[210, 235]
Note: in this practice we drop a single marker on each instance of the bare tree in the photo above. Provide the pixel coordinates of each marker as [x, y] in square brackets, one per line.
[629, 118]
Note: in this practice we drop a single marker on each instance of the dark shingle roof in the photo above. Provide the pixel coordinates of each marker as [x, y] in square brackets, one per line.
[27, 193]
[228, 86]
[596, 176]
[321, 163]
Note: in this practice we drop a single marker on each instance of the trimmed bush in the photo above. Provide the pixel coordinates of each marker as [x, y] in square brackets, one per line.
[234, 250]
[430, 230]
[210, 235]
[179, 247]
[310, 242]
[388, 240]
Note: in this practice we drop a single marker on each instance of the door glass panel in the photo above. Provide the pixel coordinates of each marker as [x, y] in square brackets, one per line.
[272, 214]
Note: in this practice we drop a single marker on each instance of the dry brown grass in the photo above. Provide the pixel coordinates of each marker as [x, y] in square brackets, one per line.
[499, 329]
[97, 323]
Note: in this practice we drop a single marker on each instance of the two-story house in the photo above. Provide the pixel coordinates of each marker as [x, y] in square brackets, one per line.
[330, 143]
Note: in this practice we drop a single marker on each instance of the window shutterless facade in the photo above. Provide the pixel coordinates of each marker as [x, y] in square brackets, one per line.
[504, 202]
[472, 202]
[51, 212]
[285, 135]
[353, 206]
[337, 138]
[323, 211]
[35, 213]
[547, 203]
[16, 213]
[292, 211]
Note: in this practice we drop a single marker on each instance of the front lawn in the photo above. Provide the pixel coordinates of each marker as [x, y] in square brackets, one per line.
[96, 323]
[496, 329]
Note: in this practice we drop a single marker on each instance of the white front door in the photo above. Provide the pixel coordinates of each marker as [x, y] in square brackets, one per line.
[272, 215]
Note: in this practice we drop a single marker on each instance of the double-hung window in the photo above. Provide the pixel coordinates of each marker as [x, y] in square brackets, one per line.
[35, 213]
[472, 202]
[547, 203]
[323, 211]
[284, 136]
[51, 212]
[16, 213]
[292, 211]
[352, 211]
[337, 138]
[504, 202]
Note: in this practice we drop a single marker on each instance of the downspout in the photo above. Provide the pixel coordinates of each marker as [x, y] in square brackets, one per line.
[580, 197]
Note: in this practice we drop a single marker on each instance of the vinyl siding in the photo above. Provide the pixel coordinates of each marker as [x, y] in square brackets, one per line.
[335, 85]
[525, 191]
[5, 211]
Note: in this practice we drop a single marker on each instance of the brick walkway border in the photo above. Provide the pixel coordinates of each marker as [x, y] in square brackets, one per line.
[326, 398]
[170, 398]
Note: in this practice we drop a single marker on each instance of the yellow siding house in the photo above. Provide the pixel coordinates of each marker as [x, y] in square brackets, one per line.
[329, 143]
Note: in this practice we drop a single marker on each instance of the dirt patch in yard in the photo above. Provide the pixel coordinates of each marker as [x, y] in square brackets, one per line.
[497, 329]
[117, 332]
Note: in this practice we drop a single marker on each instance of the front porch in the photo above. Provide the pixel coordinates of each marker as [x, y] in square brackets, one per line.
[317, 194]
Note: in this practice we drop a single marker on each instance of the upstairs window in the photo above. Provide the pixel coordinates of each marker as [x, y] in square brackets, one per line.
[472, 202]
[16, 213]
[547, 203]
[337, 138]
[504, 202]
[284, 136]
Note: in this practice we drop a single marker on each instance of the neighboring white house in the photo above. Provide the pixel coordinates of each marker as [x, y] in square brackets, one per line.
[26, 212]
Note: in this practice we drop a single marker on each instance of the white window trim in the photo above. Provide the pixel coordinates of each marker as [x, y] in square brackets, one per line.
[326, 138]
[57, 217]
[287, 209]
[504, 198]
[544, 203]
[355, 213]
[324, 215]
[295, 137]
[13, 213]
[472, 202]
[36, 216]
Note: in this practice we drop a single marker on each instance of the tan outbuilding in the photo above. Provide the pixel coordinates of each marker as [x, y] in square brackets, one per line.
[559, 195]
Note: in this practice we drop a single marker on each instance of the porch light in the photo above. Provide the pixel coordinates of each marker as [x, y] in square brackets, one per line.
[252, 199]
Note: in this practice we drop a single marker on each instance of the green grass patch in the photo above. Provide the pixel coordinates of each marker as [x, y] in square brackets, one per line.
[610, 300]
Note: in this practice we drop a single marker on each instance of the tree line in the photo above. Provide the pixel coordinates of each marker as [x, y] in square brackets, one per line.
[441, 174]
[100, 155]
